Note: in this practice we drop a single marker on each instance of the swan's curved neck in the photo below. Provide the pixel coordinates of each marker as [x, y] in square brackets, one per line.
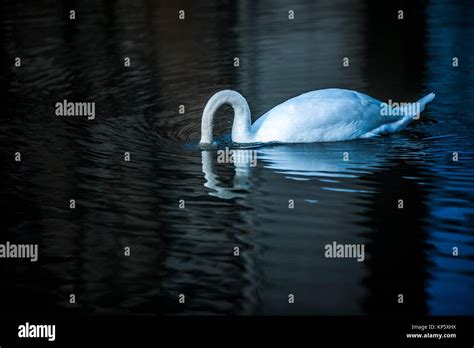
[241, 132]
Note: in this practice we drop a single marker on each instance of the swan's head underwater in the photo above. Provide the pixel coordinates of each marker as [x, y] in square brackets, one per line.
[318, 116]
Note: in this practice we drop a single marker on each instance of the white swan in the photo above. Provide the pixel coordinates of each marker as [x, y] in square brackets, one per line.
[324, 115]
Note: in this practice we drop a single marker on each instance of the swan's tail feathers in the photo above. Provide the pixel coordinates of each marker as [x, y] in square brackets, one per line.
[412, 111]
[425, 100]
[409, 111]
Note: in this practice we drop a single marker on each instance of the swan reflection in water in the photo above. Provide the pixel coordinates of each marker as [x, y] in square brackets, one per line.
[344, 192]
[326, 161]
[241, 182]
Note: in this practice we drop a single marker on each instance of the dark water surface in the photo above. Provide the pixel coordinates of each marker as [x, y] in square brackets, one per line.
[190, 251]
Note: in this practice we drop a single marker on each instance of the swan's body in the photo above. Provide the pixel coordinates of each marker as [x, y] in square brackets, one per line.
[324, 115]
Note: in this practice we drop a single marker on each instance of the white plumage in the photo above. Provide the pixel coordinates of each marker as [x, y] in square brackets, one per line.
[318, 116]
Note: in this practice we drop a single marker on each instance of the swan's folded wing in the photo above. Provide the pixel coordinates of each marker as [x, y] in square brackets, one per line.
[309, 119]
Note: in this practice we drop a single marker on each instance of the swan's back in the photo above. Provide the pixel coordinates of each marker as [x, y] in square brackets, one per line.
[336, 93]
[323, 115]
